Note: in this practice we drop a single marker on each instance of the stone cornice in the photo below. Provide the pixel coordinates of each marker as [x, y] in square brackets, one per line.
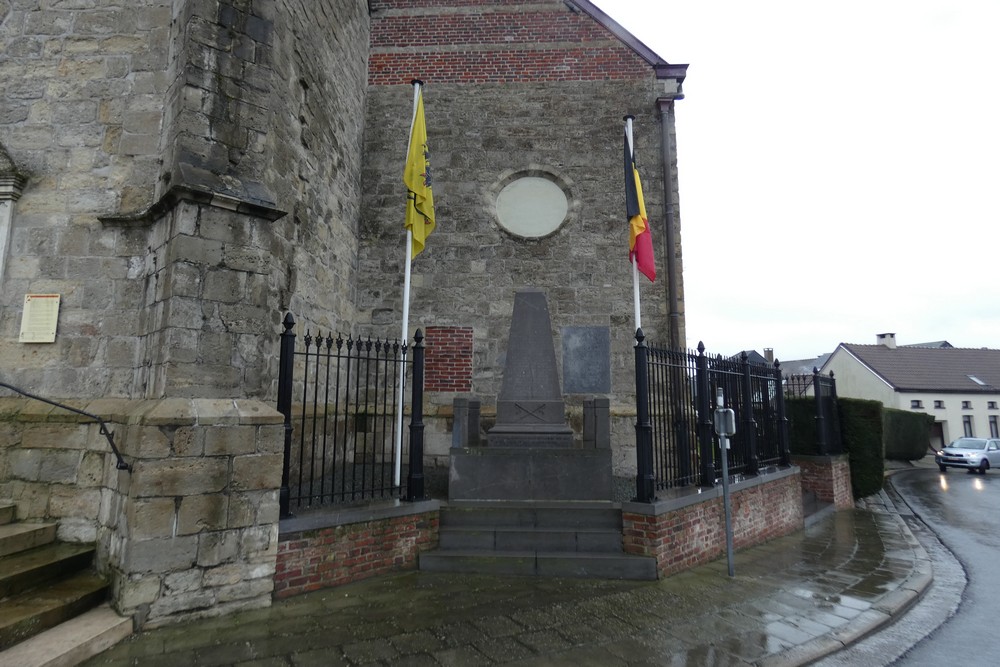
[182, 193]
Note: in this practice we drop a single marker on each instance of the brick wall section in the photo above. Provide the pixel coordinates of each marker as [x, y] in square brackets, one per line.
[448, 359]
[829, 477]
[494, 42]
[695, 534]
[337, 555]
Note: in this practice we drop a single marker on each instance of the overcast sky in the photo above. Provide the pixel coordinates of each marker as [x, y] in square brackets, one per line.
[839, 168]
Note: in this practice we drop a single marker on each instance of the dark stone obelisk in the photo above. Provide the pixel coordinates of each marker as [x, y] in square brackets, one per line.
[530, 453]
[530, 408]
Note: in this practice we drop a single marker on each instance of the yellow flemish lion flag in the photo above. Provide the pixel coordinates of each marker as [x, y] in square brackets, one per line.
[417, 176]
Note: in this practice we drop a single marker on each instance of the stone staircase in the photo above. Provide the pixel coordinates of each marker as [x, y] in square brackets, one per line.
[53, 608]
[547, 538]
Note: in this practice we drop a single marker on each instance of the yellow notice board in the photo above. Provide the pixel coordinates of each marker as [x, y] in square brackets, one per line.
[38, 322]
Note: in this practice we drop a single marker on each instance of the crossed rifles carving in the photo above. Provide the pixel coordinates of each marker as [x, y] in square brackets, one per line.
[527, 413]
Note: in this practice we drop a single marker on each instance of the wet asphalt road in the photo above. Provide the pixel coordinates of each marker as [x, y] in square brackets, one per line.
[963, 510]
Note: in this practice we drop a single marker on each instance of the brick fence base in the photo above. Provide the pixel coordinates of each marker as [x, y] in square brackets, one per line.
[689, 530]
[829, 477]
[337, 548]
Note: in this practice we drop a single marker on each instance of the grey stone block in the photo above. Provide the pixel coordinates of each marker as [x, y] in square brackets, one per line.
[586, 360]
[520, 473]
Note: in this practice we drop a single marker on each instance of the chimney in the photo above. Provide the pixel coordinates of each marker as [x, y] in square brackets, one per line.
[769, 354]
[887, 339]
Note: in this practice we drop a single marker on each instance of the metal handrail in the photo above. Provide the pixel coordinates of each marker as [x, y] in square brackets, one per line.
[121, 465]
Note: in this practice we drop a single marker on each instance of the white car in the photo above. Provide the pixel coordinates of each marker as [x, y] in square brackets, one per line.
[971, 453]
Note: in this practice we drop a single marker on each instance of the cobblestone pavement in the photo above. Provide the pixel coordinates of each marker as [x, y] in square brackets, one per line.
[792, 600]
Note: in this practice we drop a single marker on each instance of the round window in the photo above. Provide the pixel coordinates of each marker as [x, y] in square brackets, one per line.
[531, 207]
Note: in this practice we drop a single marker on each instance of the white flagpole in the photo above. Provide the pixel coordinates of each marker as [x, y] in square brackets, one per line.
[635, 265]
[404, 336]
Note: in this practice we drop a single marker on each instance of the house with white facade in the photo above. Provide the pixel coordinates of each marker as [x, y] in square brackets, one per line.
[959, 387]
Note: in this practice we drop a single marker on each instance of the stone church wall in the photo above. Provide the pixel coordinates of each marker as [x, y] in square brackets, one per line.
[513, 90]
[119, 113]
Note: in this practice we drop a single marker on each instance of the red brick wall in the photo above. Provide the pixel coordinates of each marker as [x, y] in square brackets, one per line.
[696, 534]
[326, 557]
[448, 359]
[493, 41]
[829, 477]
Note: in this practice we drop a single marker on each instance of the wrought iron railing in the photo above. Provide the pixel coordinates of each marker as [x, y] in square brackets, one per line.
[339, 397]
[105, 431]
[676, 391]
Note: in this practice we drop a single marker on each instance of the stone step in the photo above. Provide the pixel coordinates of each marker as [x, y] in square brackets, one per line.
[541, 563]
[32, 568]
[72, 642]
[8, 512]
[33, 611]
[515, 538]
[589, 515]
[16, 537]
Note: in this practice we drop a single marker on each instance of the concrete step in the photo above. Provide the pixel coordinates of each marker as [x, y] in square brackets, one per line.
[16, 537]
[24, 570]
[515, 538]
[72, 642]
[38, 609]
[8, 512]
[541, 563]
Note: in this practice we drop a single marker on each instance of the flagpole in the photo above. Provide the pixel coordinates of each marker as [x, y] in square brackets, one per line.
[634, 258]
[404, 336]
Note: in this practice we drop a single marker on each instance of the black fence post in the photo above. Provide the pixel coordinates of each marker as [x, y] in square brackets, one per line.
[644, 479]
[821, 443]
[783, 444]
[415, 476]
[749, 425]
[705, 427]
[836, 440]
[286, 367]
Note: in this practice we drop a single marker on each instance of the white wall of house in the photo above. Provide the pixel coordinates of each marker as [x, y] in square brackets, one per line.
[855, 380]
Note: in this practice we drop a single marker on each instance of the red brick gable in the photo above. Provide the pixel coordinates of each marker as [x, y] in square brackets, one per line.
[494, 41]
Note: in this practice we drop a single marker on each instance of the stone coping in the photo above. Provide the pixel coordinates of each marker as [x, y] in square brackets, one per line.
[819, 458]
[692, 496]
[148, 412]
[342, 516]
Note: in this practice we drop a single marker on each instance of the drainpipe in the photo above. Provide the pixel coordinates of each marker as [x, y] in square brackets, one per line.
[665, 104]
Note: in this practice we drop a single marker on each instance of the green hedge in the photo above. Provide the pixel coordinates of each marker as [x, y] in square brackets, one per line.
[907, 434]
[861, 429]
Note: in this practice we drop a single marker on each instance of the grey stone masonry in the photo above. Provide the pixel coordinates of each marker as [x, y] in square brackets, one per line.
[130, 113]
[191, 530]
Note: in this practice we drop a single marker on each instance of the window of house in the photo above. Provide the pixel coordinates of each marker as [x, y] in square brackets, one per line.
[938, 404]
[967, 426]
[994, 427]
[915, 404]
[966, 405]
[992, 405]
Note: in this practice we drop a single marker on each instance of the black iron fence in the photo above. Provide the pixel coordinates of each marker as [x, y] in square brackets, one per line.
[823, 389]
[676, 395]
[340, 399]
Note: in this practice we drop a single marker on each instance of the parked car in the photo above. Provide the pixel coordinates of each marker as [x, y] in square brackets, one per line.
[971, 453]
